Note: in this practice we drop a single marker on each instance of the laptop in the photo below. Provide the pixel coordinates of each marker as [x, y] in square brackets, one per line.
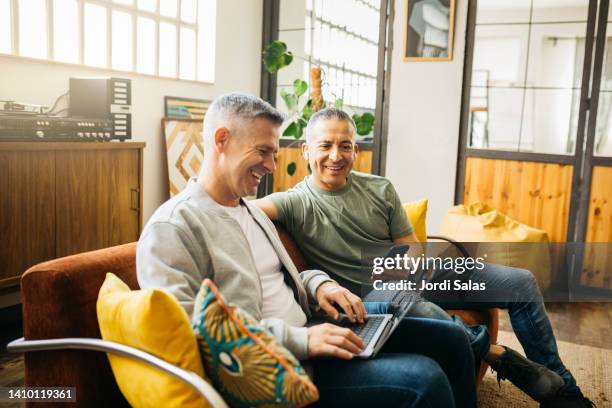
[377, 328]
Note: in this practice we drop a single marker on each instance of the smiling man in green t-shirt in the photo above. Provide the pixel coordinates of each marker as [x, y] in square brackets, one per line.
[334, 214]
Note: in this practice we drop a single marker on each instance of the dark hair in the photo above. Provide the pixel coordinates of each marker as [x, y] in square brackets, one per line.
[328, 114]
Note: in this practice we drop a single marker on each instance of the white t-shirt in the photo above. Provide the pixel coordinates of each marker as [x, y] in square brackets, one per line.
[278, 299]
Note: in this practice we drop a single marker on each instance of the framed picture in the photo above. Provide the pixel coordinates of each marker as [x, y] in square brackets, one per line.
[184, 151]
[185, 108]
[428, 34]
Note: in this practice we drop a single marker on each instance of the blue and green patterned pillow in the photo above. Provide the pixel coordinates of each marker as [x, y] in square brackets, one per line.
[246, 363]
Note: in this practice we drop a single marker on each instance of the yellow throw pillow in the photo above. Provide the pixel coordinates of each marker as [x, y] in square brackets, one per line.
[417, 214]
[153, 321]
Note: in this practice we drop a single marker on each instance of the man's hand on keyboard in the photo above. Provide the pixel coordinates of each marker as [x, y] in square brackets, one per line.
[329, 340]
[330, 294]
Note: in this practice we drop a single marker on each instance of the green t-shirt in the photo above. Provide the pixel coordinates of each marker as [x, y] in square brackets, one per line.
[334, 228]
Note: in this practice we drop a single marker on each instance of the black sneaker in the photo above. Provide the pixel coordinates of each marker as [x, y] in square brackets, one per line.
[567, 401]
[533, 379]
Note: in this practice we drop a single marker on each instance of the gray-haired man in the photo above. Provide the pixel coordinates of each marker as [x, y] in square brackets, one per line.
[209, 231]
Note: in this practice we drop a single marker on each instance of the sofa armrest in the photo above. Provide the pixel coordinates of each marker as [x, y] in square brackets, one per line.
[192, 379]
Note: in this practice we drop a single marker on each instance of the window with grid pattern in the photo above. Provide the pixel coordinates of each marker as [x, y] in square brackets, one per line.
[345, 46]
[165, 38]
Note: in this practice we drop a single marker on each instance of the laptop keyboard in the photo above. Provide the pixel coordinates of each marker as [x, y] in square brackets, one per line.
[366, 330]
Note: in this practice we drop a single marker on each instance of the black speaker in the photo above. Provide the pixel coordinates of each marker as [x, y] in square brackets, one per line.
[108, 98]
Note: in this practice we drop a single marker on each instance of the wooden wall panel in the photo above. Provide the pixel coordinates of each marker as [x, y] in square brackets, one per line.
[27, 212]
[536, 194]
[283, 181]
[597, 270]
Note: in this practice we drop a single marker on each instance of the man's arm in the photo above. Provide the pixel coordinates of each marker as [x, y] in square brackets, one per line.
[268, 207]
[166, 258]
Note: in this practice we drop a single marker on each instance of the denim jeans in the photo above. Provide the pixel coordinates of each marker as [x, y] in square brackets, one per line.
[517, 291]
[425, 363]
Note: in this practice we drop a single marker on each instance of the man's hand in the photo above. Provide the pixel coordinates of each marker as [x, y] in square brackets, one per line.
[328, 340]
[330, 293]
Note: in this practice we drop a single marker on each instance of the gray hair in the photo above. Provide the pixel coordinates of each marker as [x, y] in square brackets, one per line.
[328, 114]
[238, 106]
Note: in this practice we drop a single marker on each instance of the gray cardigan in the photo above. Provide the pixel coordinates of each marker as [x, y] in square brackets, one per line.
[191, 237]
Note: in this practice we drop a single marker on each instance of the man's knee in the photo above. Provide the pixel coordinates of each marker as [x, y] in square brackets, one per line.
[455, 335]
[525, 284]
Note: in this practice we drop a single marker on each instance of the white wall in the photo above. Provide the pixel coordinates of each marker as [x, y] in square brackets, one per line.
[424, 112]
[238, 59]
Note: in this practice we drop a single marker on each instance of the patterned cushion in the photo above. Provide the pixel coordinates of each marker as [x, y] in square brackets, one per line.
[245, 362]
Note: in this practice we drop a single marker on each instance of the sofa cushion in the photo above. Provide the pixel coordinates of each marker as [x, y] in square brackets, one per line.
[417, 214]
[153, 321]
[245, 362]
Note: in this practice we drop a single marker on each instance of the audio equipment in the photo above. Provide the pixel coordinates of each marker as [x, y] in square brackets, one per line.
[103, 98]
[19, 127]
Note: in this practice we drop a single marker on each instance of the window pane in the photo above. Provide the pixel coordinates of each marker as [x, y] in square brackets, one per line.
[557, 11]
[556, 55]
[501, 51]
[495, 118]
[145, 55]
[148, 5]
[167, 50]
[65, 31]
[606, 76]
[503, 11]
[122, 41]
[547, 121]
[603, 134]
[33, 28]
[126, 2]
[188, 11]
[5, 26]
[603, 130]
[95, 35]
[207, 11]
[168, 7]
[188, 54]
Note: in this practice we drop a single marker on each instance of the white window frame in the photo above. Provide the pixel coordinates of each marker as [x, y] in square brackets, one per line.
[111, 6]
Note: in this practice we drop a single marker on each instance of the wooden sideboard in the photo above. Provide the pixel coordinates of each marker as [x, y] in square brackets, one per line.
[58, 199]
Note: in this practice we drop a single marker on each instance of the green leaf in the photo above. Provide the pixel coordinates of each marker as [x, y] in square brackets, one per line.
[338, 103]
[276, 56]
[300, 87]
[307, 112]
[291, 99]
[291, 168]
[291, 130]
[364, 123]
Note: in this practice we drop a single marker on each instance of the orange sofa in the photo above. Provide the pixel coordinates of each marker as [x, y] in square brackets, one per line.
[59, 301]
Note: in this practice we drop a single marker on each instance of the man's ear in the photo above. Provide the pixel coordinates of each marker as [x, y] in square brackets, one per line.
[355, 150]
[305, 151]
[221, 138]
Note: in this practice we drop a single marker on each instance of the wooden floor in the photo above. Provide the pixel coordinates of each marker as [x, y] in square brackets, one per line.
[582, 323]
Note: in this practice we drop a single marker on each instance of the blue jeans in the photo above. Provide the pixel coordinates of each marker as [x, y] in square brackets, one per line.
[517, 291]
[425, 363]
